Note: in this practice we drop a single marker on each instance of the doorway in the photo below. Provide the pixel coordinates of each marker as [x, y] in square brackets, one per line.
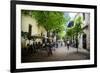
[84, 41]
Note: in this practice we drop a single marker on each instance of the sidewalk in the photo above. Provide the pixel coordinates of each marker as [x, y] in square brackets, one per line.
[72, 49]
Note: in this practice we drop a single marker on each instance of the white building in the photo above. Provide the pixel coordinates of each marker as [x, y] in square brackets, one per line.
[84, 39]
[36, 30]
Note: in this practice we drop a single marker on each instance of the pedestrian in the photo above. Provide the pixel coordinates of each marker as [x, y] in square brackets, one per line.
[68, 44]
[50, 48]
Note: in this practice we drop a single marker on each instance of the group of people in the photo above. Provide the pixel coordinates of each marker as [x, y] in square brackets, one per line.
[45, 45]
[36, 46]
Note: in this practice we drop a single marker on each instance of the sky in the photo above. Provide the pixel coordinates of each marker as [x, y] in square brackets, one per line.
[71, 15]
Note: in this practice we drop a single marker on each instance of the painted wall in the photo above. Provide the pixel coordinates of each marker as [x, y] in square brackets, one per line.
[26, 20]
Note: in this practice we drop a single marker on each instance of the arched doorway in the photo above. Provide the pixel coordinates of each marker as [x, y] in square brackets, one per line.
[84, 41]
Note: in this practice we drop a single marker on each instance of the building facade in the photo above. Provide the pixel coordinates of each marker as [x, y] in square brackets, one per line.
[84, 39]
[30, 26]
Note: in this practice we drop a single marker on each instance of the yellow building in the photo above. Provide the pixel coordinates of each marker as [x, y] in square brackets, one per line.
[36, 30]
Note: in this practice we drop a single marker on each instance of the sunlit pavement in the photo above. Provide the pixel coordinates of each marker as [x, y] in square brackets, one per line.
[59, 54]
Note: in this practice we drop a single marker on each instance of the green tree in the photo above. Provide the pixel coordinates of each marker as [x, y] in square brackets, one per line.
[75, 31]
[49, 20]
[52, 21]
[78, 28]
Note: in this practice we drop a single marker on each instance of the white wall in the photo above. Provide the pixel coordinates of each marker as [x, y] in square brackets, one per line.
[5, 37]
[26, 20]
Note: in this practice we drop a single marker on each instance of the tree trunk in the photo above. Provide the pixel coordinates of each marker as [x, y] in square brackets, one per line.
[77, 42]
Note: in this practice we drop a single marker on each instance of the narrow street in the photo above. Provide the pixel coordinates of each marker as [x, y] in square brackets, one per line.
[59, 54]
[43, 30]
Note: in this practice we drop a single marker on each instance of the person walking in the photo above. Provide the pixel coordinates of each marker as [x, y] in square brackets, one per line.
[68, 43]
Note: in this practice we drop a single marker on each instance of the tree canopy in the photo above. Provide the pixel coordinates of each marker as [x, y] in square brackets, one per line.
[55, 21]
[77, 29]
[50, 20]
